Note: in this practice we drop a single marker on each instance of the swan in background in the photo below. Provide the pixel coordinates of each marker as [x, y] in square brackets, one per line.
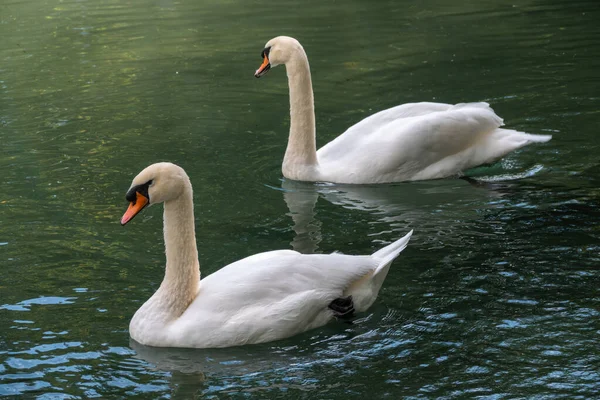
[264, 297]
[415, 141]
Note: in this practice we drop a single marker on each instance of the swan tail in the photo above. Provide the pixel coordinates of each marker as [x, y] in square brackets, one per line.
[501, 142]
[391, 251]
[521, 139]
[386, 256]
[537, 138]
[365, 290]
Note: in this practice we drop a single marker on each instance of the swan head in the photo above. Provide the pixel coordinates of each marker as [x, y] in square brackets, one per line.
[279, 50]
[157, 183]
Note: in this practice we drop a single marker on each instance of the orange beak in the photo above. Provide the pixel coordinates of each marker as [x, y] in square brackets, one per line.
[135, 207]
[264, 67]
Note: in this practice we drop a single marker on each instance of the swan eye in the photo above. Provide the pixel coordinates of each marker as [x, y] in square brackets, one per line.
[265, 52]
[131, 195]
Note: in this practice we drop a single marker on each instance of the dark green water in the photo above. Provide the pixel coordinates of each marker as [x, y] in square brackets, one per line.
[497, 295]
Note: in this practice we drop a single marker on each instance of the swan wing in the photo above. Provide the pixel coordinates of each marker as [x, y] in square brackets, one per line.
[269, 277]
[266, 297]
[380, 119]
[406, 140]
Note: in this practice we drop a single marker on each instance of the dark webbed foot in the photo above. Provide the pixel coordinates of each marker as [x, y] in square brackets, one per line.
[342, 307]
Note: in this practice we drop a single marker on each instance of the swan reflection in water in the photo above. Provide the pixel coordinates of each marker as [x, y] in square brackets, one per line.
[193, 371]
[231, 361]
[435, 209]
[190, 369]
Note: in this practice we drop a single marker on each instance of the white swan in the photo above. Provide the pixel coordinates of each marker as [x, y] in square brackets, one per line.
[263, 297]
[409, 142]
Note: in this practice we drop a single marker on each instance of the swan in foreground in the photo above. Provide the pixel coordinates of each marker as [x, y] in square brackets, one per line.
[409, 142]
[264, 297]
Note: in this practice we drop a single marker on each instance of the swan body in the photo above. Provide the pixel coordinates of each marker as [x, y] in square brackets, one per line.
[414, 141]
[264, 297]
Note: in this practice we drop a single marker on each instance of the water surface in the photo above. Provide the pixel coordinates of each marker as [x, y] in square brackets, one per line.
[497, 294]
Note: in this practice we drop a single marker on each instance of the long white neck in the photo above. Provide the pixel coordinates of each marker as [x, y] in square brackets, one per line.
[182, 274]
[301, 153]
